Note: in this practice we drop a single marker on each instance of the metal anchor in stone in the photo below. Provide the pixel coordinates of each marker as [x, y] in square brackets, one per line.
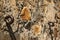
[51, 24]
[9, 20]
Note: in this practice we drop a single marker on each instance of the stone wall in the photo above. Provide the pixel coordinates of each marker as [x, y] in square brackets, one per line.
[29, 19]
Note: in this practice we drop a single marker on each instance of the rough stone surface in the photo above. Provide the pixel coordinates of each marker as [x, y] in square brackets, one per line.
[31, 19]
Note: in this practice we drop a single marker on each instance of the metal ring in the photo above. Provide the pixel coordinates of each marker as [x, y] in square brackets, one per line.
[9, 22]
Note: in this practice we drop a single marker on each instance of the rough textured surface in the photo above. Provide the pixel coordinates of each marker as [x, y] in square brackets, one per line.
[29, 19]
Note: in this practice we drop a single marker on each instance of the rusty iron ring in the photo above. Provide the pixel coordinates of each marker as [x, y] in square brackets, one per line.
[9, 22]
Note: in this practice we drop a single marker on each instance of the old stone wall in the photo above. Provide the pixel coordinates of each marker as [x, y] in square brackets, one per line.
[29, 19]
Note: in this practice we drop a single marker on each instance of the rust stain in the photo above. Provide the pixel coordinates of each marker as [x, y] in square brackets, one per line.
[25, 14]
